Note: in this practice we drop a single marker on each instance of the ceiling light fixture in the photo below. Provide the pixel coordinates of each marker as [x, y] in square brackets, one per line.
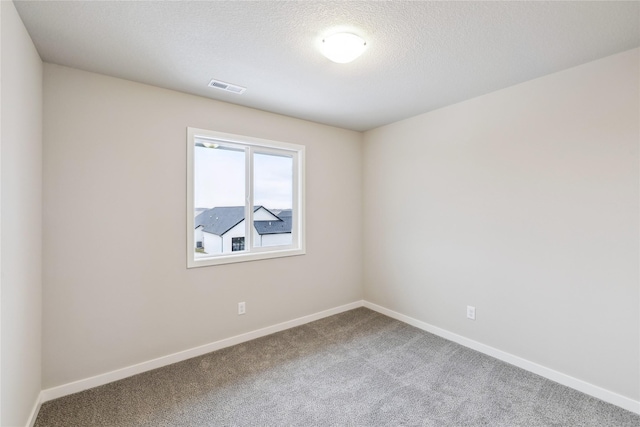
[343, 47]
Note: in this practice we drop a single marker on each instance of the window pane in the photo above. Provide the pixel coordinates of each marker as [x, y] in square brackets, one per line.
[273, 199]
[219, 194]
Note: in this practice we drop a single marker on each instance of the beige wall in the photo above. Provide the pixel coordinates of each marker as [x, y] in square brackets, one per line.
[21, 219]
[116, 289]
[524, 204]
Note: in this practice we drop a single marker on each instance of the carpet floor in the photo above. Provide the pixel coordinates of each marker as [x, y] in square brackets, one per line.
[357, 368]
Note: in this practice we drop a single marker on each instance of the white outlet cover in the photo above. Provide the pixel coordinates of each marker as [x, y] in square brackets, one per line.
[471, 312]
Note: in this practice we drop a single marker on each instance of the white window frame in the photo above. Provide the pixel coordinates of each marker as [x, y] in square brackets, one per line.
[250, 145]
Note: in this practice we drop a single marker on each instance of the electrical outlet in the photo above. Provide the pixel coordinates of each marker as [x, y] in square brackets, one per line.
[242, 308]
[471, 312]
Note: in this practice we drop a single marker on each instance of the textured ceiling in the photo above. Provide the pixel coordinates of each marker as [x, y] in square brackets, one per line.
[420, 55]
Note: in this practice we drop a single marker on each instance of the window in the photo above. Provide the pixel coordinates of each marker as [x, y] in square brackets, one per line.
[244, 198]
[237, 244]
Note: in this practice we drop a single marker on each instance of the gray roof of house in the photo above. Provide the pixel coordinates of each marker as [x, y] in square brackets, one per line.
[274, 227]
[221, 219]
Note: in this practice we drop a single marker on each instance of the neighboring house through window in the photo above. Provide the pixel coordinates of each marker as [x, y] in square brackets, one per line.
[220, 226]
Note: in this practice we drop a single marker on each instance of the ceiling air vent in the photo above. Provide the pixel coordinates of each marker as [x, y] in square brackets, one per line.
[227, 86]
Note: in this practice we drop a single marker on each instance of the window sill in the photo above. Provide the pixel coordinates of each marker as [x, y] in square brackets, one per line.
[244, 257]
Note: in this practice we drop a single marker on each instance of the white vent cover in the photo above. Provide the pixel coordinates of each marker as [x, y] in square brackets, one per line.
[226, 86]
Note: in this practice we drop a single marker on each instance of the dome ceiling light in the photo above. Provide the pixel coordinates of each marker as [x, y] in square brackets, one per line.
[343, 47]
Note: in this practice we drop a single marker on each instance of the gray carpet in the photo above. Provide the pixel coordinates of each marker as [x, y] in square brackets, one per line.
[358, 368]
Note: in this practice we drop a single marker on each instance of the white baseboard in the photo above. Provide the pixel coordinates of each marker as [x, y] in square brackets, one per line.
[587, 388]
[98, 380]
[574, 383]
[34, 411]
